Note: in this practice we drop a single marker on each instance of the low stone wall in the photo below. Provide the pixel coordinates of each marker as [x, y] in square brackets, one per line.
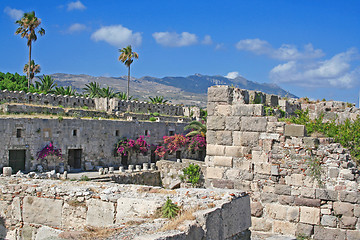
[298, 185]
[50, 208]
[149, 178]
[170, 171]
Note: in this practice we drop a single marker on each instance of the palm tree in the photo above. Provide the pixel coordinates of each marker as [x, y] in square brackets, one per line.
[126, 57]
[196, 128]
[46, 84]
[158, 99]
[27, 28]
[69, 91]
[34, 68]
[107, 92]
[92, 89]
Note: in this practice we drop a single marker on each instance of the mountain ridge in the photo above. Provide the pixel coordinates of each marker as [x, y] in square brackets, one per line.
[190, 90]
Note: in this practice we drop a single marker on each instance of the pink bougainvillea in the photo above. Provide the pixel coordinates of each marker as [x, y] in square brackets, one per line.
[49, 150]
[197, 142]
[129, 145]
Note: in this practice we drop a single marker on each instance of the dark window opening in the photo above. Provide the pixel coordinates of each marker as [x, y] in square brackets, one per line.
[74, 132]
[171, 133]
[147, 132]
[18, 133]
[117, 133]
[178, 154]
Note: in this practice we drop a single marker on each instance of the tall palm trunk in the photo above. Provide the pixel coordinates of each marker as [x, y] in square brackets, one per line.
[28, 72]
[128, 86]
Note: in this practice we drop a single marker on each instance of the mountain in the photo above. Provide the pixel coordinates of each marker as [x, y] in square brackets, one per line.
[190, 90]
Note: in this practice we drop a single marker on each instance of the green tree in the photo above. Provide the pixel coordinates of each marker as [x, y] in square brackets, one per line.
[196, 128]
[107, 93]
[69, 91]
[158, 99]
[34, 68]
[28, 25]
[126, 57]
[46, 84]
[92, 90]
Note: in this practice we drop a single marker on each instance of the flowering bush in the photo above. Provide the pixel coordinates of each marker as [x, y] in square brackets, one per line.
[49, 150]
[129, 145]
[197, 142]
[173, 143]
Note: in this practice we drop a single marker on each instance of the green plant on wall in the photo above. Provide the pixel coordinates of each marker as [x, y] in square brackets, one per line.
[315, 170]
[191, 174]
[169, 209]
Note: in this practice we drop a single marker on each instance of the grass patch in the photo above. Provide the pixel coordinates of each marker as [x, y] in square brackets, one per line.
[182, 217]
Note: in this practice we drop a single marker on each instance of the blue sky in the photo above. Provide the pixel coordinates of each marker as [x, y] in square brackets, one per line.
[310, 48]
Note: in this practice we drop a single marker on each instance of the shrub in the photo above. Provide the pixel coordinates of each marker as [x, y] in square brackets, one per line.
[156, 114]
[152, 119]
[84, 178]
[169, 209]
[191, 174]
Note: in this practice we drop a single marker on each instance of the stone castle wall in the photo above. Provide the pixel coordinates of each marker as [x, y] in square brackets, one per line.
[96, 138]
[103, 104]
[277, 164]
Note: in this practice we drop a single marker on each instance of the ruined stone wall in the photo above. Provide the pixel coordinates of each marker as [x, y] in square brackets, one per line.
[104, 104]
[51, 209]
[170, 171]
[96, 138]
[298, 185]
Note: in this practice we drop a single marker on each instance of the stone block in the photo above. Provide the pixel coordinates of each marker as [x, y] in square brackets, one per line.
[242, 185]
[224, 138]
[214, 172]
[42, 211]
[304, 229]
[283, 227]
[253, 124]
[261, 224]
[270, 136]
[353, 234]
[220, 94]
[211, 137]
[272, 100]
[215, 150]
[242, 164]
[45, 232]
[236, 209]
[294, 130]
[310, 142]
[310, 215]
[262, 168]
[248, 139]
[307, 192]
[352, 197]
[282, 212]
[329, 221]
[223, 109]
[269, 197]
[282, 189]
[223, 161]
[232, 123]
[275, 170]
[243, 110]
[133, 207]
[344, 209]
[307, 202]
[286, 200]
[347, 222]
[232, 174]
[275, 127]
[333, 172]
[323, 233]
[259, 156]
[7, 171]
[296, 180]
[215, 123]
[74, 215]
[100, 213]
[211, 108]
[258, 110]
[221, 183]
[256, 209]
[324, 194]
[356, 210]
[235, 151]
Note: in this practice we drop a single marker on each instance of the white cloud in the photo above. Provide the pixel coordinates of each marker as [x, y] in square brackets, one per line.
[335, 72]
[207, 40]
[76, 27]
[219, 46]
[15, 14]
[77, 5]
[285, 52]
[232, 75]
[117, 35]
[173, 39]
